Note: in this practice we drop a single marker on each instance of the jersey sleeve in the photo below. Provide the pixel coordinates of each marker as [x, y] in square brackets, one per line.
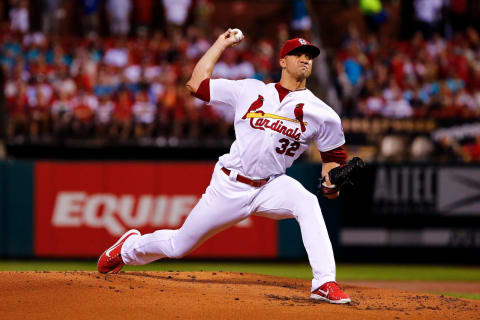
[338, 155]
[223, 91]
[330, 135]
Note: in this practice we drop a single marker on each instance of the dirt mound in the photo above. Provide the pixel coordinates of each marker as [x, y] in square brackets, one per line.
[206, 295]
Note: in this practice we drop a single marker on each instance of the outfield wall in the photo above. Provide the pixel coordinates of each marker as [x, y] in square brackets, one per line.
[74, 209]
[16, 209]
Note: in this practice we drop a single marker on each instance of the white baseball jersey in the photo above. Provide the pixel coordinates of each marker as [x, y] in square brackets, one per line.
[269, 135]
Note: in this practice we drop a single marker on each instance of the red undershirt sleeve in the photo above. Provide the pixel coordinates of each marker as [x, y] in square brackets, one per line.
[338, 155]
[203, 91]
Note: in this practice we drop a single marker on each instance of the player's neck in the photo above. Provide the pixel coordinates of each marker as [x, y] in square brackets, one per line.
[292, 84]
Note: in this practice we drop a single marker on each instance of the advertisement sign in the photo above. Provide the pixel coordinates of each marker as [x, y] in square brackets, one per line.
[414, 205]
[404, 190]
[423, 189]
[459, 191]
[83, 207]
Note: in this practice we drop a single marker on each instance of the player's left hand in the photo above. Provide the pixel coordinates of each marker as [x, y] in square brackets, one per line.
[346, 175]
[341, 177]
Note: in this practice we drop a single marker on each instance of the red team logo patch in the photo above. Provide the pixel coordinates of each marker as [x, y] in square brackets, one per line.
[254, 106]
[260, 120]
[299, 115]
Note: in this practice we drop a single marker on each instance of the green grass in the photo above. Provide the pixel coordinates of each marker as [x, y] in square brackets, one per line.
[475, 296]
[408, 273]
[290, 270]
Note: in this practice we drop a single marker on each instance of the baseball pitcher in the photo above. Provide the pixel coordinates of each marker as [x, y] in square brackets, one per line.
[274, 123]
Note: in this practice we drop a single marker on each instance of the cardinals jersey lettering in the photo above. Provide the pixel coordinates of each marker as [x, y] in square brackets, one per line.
[271, 134]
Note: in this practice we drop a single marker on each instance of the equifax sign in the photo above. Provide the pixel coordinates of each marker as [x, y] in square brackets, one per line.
[118, 213]
[82, 207]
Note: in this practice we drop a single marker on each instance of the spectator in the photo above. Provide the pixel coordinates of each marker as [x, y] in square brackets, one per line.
[63, 83]
[17, 107]
[192, 114]
[448, 150]
[373, 14]
[117, 56]
[62, 114]
[197, 44]
[171, 107]
[392, 148]
[429, 16]
[103, 85]
[176, 12]
[229, 67]
[119, 15]
[39, 99]
[464, 101]
[84, 69]
[373, 105]
[143, 115]
[103, 115]
[122, 116]
[262, 61]
[90, 16]
[301, 19]
[143, 14]
[203, 13]
[436, 45]
[396, 105]
[471, 151]
[421, 149]
[19, 16]
[53, 13]
[133, 72]
[84, 108]
[459, 14]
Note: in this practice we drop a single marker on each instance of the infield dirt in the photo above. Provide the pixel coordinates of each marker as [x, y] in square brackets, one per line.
[206, 295]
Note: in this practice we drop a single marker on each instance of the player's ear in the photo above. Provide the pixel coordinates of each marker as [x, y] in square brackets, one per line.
[283, 63]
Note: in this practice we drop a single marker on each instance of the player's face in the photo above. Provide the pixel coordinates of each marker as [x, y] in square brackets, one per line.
[298, 64]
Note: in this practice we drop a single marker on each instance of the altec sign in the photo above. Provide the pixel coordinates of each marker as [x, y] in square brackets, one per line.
[81, 208]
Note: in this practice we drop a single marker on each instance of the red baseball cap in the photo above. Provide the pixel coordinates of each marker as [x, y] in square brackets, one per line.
[293, 44]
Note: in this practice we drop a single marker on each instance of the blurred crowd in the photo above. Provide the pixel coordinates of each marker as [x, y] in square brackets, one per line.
[437, 78]
[100, 87]
[126, 84]
[430, 79]
[117, 87]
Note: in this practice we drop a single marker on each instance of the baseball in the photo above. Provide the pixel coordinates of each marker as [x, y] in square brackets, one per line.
[237, 34]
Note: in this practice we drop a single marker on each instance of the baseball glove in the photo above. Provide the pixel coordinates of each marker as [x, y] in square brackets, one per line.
[342, 177]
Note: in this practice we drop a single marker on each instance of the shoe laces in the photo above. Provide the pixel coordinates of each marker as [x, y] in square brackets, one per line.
[332, 286]
[114, 258]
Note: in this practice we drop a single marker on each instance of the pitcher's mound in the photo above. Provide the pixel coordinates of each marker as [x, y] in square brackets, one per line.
[206, 295]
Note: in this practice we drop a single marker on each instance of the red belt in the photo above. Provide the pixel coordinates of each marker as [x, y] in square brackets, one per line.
[254, 183]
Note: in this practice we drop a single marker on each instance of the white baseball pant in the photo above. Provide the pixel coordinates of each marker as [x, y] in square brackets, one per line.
[227, 202]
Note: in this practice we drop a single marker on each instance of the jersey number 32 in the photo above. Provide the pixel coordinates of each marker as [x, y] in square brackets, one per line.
[287, 148]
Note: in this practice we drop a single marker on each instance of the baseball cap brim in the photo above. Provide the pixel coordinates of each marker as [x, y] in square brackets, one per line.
[312, 50]
[299, 44]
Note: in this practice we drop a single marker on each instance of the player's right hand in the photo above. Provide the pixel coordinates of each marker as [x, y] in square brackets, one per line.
[227, 39]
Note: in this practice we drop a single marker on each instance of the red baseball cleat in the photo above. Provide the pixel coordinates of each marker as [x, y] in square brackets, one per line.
[111, 259]
[331, 292]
